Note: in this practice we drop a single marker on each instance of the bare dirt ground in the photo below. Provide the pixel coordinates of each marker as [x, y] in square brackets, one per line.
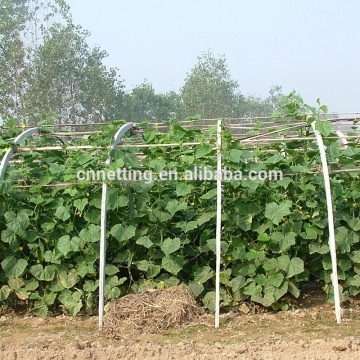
[308, 331]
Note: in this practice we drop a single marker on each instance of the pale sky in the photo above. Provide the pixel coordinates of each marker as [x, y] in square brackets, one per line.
[311, 46]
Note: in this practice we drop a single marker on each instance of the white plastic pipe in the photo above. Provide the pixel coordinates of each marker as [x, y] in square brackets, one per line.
[218, 226]
[5, 160]
[332, 243]
[120, 133]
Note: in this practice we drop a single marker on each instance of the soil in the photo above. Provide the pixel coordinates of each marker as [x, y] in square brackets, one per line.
[307, 331]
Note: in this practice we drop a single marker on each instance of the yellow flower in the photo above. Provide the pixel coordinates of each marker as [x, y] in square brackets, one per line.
[23, 126]
[229, 258]
[5, 149]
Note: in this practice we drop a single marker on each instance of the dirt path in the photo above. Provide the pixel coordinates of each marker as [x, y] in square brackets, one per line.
[297, 334]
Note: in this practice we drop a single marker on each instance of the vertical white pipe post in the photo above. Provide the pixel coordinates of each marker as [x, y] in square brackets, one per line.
[218, 226]
[120, 133]
[5, 160]
[332, 243]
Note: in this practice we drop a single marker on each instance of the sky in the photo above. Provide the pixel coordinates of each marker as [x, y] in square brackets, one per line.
[311, 46]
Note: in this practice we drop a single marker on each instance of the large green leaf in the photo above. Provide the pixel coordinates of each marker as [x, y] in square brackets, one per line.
[62, 213]
[41, 273]
[145, 241]
[123, 233]
[174, 205]
[172, 264]
[17, 222]
[90, 234]
[203, 274]
[296, 267]
[324, 127]
[66, 245]
[202, 219]
[275, 212]
[68, 280]
[183, 188]
[203, 150]
[13, 267]
[81, 203]
[187, 226]
[170, 245]
[4, 292]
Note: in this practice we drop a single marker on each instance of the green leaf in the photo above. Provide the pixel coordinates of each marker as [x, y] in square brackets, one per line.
[355, 256]
[187, 226]
[324, 127]
[31, 284]
[71, 300]
[13, 267]
[170, 245]
[4, 292]
[15, 283]
[318, 248]
[62, 213]
[234, 155]
[196, 288]
[202, 219]
[68, 280]
[161, 215]
[153, 270]
[183, 188]
[123, 233]
[354, 281]
[203, 274]
[22, 294]
[145, 241]
[296, 267]
[65, 245]
[174, 205]
[211, 244]
[81, 203]
[111, 269]
[172, 264]
[203, 150]
[274, 212]
[209, 195]
[209, 300]
[293, 290]
[276, 279]
[91, 233]
[237, 283]
[17, 222]
[44, 274]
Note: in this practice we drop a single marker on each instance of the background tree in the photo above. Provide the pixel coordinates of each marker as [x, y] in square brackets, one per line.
[70, 81]
[13, 17]
[142, 103]
[253, 106]
[209, 89]
[48, 71]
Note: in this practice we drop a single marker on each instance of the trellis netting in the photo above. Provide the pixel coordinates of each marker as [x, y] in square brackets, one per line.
[180, 209]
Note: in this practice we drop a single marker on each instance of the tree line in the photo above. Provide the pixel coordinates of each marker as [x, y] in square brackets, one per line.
[49, 73]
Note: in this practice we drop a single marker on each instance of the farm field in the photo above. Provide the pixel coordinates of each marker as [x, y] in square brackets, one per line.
[307, 331]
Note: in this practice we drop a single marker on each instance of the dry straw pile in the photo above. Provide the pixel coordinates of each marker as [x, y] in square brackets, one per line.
[151, 311]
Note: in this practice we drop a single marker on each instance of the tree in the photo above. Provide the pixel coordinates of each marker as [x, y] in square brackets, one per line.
[256, 106]
[70, 81]
[13, 16]
[48, 71]
[209, 89]
[142, 103]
